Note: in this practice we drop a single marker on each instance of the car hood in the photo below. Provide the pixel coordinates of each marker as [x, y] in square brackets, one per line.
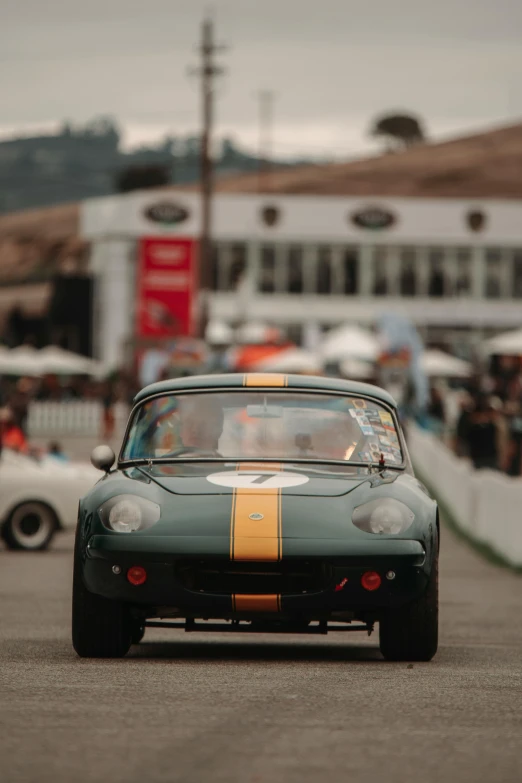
[224, 480]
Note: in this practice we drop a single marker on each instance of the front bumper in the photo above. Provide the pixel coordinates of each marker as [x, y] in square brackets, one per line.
[332, 576]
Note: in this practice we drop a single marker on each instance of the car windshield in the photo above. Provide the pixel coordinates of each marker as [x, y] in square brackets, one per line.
[264, 425]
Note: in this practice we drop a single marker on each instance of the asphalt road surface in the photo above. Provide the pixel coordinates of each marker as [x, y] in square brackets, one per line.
[253, 709]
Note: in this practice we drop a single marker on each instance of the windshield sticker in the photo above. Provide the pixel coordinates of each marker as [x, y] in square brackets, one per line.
[362, 421]
[375, 450]
[386, 418]
[360, 404]
[384, 440]
[257, 479]
[365, 456]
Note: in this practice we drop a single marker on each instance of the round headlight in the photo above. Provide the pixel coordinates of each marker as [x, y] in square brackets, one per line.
[129, 513]
[385, 516]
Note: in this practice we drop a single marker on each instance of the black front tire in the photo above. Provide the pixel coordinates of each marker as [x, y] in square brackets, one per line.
[411, 632]
[101, 628]
[30, 527]
[138, 631]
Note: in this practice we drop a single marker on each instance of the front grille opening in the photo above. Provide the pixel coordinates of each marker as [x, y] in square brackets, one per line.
[253, 578]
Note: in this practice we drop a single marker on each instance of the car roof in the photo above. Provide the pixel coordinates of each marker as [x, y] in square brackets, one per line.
[263, 381]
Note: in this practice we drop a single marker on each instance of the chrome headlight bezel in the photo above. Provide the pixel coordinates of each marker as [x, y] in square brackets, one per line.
[383, 516]
[129, 514]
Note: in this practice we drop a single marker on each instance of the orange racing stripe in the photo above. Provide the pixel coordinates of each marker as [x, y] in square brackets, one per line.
[265, 379]
[256, 539]
[256, 603]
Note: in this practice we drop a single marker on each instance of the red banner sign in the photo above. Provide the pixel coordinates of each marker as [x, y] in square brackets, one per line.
[166, 286]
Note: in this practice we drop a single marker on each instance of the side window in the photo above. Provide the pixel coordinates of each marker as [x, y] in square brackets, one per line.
[437, 282]
[351, 271]
[408, 277]
[237, 265]
[324, 270]
[380, 280]
[464, 268]
[517, 274]
[295, 270]
[493, 281]
[267, 270]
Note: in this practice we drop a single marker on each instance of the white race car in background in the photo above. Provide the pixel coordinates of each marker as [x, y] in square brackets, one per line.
[39, 497]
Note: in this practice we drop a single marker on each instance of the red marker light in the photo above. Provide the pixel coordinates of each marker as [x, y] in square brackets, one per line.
[136, 575]
[371, 580]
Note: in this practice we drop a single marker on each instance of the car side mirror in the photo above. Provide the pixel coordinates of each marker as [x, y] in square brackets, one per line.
[103, 458]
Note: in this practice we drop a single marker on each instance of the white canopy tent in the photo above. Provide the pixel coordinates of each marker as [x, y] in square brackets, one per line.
[58, 361]
[357, 369]
[438, 364]
[52, 360]
[349, 342]
[506, 344]
[219, 333]
[290, 360]
[19, 361]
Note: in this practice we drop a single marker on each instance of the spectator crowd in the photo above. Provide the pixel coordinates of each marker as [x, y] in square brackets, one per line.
[486, 424]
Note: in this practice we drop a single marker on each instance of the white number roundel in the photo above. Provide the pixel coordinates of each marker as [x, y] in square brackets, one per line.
[259, 479]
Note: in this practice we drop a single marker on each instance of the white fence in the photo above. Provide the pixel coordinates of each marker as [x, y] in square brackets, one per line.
[82, 418]
[487, 505]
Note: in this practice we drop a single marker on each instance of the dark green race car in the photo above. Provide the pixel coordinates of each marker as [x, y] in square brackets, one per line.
[258, 503]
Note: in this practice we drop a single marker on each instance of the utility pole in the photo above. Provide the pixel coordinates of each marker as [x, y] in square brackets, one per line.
[208, 70]
[266, 102]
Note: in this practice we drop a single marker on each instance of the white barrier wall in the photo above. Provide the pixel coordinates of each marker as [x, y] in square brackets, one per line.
[485, 504]
[78, 418]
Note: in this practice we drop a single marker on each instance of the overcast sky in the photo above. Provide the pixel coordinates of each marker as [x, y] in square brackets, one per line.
[332, 64]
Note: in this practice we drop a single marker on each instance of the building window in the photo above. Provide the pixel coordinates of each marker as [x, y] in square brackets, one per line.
[464, 267]
[408, 277]
[437, 282]
[295, 270]
[214, 267]
[380, 280]
[351, 271]
[493, 282]
[237, 265]
[517, 274]
[324, 270]
[267, 270]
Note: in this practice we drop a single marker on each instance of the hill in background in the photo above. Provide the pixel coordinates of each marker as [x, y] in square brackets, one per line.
[85, 162]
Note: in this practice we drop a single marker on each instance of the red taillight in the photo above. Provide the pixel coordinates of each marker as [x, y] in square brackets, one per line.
[371, 580]
[137, 575]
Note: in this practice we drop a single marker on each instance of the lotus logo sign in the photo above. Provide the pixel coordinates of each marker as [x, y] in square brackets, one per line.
[374, 218]
[166, 212]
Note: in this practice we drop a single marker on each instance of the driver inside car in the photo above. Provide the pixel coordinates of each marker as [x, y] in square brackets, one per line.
[179, 425]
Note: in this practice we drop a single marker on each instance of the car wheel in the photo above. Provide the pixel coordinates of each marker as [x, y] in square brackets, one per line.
[138, 632]
[30, 526]
[101, 628]
[411, 632]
